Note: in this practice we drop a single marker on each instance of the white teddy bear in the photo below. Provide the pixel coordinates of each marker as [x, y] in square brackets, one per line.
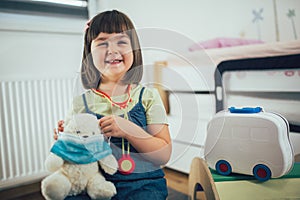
[74, 160]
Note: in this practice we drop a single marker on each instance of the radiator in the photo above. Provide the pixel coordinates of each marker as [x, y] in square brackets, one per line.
[29, 112]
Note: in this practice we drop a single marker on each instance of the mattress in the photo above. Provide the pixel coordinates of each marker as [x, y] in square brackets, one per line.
[287, 80]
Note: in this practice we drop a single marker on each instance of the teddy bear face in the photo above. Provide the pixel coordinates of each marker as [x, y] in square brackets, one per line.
[83, 125]
[82, 141]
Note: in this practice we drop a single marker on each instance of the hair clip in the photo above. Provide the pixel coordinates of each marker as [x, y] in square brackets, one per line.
[87, 25]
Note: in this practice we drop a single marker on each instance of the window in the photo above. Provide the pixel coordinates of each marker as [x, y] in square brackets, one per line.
[69, 8]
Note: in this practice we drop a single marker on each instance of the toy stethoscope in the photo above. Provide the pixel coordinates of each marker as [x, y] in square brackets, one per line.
[126, 163]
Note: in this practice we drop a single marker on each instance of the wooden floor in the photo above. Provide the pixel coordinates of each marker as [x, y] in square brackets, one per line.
[27, 192]
[175, 180]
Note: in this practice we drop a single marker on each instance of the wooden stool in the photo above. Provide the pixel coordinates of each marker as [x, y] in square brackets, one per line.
[201, 183]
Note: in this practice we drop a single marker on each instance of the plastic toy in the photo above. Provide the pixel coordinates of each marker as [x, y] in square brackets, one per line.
[249, 141]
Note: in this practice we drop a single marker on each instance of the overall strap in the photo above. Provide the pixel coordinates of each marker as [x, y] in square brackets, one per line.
[141, 95]
[87, 110]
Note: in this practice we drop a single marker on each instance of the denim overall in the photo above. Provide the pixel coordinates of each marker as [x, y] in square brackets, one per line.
[147, 180]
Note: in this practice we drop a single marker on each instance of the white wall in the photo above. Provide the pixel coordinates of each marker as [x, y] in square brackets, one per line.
[48, 46]
[206, 19]
[35, 47]
[191, 21]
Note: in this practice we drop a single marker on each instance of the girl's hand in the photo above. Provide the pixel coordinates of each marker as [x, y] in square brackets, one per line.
[114, 126]
[153, 143]
[60, 125]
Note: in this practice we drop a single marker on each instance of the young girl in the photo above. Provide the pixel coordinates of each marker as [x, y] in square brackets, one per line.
[131, 116]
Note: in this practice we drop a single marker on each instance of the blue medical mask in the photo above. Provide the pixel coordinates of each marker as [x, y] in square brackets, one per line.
[79, 150]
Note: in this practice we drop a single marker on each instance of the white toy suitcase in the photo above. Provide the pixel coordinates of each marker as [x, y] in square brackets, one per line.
[249, 141]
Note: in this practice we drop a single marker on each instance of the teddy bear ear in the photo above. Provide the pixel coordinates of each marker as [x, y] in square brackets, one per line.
[83, 118]
[86, 123]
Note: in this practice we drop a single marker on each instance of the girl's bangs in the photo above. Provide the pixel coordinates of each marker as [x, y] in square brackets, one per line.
[110, 23]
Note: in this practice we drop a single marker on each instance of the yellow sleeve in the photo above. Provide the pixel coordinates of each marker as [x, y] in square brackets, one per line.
[76, 107]
[154, 107]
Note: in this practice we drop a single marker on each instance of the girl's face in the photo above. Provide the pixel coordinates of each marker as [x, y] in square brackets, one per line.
[112, 55]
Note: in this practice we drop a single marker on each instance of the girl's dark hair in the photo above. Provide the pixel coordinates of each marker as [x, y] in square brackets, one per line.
[110, 22]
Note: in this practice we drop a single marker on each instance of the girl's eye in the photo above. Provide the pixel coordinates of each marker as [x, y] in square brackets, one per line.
[103, 44]
[122, 42]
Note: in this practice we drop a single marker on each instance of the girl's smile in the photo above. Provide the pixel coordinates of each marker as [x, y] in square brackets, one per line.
[112, 54]
[114, 61]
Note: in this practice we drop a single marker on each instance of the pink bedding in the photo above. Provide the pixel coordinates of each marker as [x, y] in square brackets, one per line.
[223, 42]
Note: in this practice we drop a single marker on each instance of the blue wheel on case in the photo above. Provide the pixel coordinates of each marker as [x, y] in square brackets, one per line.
[223, 167]
[262, 172]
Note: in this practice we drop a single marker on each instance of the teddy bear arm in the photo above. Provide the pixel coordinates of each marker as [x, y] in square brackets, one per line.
[53, 162]
[109, 164]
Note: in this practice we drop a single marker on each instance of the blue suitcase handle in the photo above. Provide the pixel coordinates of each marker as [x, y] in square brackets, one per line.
[245, 110]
